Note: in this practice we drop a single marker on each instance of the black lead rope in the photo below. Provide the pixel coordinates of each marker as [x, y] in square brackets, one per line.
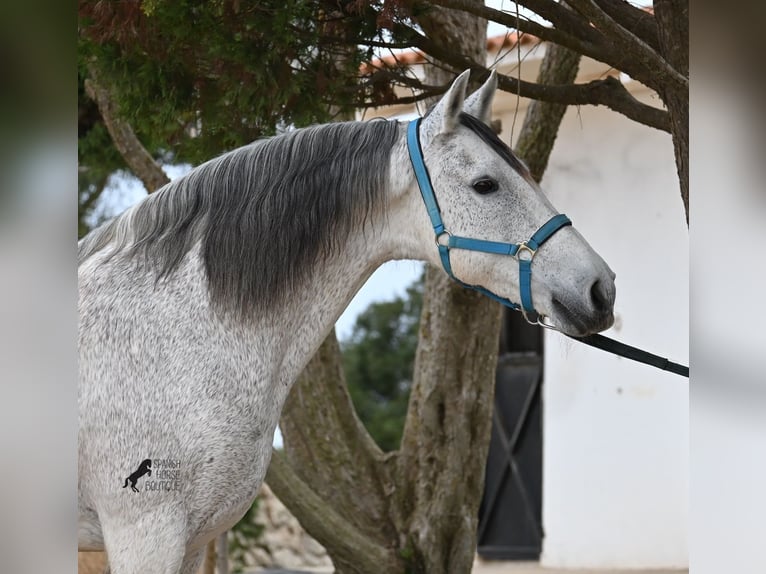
[623, 350]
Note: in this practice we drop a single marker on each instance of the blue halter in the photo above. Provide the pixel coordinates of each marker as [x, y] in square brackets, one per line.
[524, 252]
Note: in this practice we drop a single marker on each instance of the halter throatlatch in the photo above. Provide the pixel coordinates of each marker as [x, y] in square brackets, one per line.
[524, 252]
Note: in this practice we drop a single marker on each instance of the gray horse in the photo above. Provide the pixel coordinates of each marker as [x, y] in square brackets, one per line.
[200, 305]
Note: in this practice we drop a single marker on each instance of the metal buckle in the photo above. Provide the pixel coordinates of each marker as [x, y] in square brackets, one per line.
[443, 233]
[523, 247]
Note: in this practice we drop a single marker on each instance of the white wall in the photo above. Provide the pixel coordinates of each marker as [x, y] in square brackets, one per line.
[615, 486]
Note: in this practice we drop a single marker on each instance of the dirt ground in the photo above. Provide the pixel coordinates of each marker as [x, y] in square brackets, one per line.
[91, 562]
[94, 562]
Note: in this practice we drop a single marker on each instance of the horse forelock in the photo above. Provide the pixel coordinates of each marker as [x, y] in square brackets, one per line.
[264, 215]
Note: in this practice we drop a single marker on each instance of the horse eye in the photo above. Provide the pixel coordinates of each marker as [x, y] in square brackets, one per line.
[484, 186]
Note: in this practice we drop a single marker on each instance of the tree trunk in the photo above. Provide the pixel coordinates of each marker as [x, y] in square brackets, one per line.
[440, 468]
[222, 552]
[208, 567]
[327, 447]
[673, 26]
[541, 124]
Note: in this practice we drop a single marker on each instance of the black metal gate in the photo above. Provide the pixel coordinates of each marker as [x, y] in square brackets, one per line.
[510, 516]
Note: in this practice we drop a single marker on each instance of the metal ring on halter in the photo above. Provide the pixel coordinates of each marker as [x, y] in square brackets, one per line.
[448, 234]
[523, 247]
[526, 318]
[541, 321]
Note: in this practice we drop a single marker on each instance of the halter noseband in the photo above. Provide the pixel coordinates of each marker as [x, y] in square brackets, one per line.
[524, 252]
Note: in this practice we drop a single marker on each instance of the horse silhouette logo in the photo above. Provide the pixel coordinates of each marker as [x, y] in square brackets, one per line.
[144, 468]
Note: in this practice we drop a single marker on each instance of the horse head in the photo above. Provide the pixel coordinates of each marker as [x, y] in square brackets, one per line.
[487, 199]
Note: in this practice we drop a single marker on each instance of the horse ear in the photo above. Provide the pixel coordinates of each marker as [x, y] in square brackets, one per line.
[479, 103]
[445, 116]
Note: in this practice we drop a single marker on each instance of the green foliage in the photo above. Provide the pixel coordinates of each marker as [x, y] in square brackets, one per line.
[379, 358]
[195, 78]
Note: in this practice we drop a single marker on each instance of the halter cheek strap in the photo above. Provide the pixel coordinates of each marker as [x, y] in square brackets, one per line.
[524, 252]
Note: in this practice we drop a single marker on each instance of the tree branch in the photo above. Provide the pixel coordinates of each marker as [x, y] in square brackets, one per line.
[631, 49]
[672, 17]
[391, 75]
[585, 39]
[638, 21]
[608, 92]
[673, 24]
[208, 567]
[560, 15]
[322, 522]
[335, 453]
[140, 161]
[618, 46]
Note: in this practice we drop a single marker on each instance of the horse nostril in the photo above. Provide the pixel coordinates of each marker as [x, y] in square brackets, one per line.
[600, 297]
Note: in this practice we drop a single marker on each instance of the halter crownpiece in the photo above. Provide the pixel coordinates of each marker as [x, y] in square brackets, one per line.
[524, 252]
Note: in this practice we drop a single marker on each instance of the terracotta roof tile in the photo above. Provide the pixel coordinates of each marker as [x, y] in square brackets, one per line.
[414, 56]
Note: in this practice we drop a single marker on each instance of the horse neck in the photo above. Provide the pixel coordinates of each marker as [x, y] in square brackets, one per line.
[302, 323]
[393, 231]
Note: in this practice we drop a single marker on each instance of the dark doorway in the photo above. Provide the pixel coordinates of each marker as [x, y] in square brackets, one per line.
[510, 516]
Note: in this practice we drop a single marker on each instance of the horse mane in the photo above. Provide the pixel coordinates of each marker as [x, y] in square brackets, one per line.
[264, 214]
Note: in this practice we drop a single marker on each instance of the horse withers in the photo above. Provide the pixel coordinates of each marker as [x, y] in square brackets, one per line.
[199, 307]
